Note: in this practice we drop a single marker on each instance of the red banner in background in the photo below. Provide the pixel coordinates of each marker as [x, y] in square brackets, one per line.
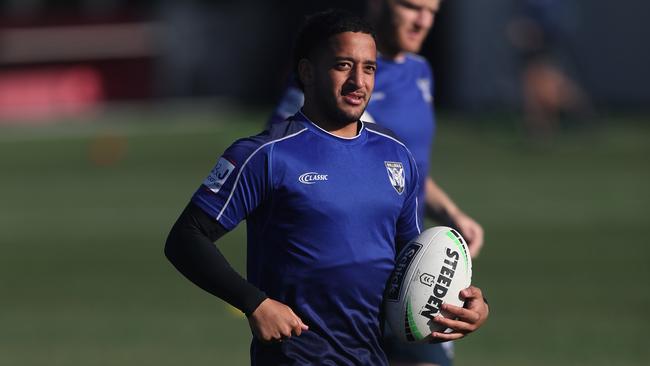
[45, 94]
[50, 72]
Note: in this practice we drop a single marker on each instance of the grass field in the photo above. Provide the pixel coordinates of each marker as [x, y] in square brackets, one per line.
[85, 210]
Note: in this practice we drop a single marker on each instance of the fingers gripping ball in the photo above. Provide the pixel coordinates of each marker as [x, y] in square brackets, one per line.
[431, 270]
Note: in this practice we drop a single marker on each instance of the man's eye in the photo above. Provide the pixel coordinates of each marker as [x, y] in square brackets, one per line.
[370, 69]
[343, 66]
[409, 5]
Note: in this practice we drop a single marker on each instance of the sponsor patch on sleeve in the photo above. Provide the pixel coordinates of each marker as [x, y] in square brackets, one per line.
[219, 175]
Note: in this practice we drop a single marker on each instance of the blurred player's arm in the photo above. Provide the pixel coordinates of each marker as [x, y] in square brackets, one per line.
[291, 101]
[190, 248]
[443, 209]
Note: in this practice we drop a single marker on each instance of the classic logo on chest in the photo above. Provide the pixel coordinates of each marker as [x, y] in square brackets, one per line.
[311, 178]
[396, 175]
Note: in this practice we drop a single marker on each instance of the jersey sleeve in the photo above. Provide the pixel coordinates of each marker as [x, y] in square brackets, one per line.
[409, 223]
[291, 101]
[236, 185]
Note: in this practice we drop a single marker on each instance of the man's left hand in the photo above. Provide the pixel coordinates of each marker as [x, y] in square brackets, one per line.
[468, 318]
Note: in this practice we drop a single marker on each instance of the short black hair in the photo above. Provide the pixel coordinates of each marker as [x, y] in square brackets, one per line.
[319, 27]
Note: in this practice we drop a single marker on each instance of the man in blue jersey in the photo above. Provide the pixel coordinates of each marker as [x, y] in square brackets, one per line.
[403, 101]
[323, 223]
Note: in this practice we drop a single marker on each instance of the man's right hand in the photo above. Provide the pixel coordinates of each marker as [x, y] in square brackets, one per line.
[274, 321]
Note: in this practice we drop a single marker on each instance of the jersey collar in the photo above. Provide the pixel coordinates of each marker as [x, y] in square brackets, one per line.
[360, 136]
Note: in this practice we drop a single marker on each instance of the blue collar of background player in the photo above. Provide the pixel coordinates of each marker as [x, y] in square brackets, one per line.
[360, 137]
[399, 59]
[402, 58]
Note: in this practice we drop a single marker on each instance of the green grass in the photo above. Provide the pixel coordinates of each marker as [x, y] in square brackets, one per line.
[83, 280]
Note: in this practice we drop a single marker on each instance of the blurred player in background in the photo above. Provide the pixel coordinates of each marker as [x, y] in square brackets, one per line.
[403, 101]
[323, 223]
[540, 32]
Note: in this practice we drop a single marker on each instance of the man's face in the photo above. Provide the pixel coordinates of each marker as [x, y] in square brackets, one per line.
[344, 76]
[411, 21]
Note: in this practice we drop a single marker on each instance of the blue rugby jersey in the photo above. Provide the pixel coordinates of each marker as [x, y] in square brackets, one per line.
[402, 101]
[323, 216]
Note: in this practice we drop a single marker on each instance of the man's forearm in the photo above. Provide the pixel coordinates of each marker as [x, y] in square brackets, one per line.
[442, 209]
[190, 249]
[438, 204]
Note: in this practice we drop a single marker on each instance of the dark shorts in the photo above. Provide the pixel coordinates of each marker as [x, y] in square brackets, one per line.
[440, 353]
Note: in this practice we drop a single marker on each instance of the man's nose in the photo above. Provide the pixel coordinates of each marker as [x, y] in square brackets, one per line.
[357, 77]
[424, 19]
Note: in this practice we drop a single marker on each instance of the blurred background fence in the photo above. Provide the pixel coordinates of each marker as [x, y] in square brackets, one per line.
[69, 57]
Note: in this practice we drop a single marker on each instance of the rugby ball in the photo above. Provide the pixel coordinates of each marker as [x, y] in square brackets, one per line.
[430, 270]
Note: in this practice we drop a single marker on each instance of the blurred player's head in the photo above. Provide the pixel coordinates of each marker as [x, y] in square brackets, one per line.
[335, 61]
[402, 25]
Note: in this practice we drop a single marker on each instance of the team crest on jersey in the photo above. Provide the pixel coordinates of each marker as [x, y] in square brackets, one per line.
[396, 175]
[218, 175]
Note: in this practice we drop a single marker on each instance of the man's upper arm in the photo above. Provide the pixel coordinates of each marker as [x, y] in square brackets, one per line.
[190, 248]
[237, 184]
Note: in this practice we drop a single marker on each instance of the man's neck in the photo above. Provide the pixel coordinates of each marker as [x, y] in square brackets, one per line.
[389, 53]
[345, 129]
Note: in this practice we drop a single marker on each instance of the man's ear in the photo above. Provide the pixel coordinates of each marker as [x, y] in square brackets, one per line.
[305, 72]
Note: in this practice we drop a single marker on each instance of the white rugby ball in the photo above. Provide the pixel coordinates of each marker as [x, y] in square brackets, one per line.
[430, 270]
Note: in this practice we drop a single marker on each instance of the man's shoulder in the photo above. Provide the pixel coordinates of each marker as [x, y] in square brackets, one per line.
[416, 61]
[280, 131]
[411, 66]
[383, 133]
[286, 129]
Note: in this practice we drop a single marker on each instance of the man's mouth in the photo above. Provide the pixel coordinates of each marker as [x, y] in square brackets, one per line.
[414, 33]
[355, 98]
